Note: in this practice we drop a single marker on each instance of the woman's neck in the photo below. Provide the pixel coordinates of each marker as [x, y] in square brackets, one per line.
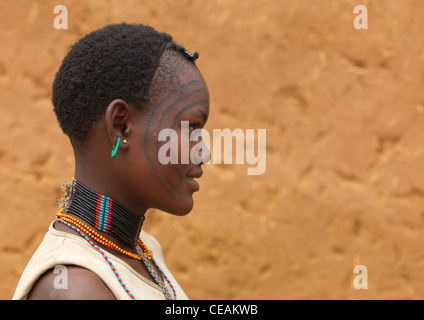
[103, 213]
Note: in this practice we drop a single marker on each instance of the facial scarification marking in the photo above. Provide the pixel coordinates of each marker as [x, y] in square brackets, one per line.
[165, 183]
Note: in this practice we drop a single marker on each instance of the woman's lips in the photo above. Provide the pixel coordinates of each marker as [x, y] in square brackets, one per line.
[192, 183]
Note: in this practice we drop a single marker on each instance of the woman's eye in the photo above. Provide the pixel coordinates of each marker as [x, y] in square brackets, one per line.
[194, 126]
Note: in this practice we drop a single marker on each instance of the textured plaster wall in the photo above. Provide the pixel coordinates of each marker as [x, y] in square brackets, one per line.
[344, 114]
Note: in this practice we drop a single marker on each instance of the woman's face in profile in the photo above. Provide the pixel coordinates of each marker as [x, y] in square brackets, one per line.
[160, 168]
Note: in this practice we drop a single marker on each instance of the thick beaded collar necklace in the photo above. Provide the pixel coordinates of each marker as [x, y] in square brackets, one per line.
[112, 218]
[104, 214]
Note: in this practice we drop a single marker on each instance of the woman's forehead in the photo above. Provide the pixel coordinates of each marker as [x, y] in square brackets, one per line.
[190, 98]
[185, 92]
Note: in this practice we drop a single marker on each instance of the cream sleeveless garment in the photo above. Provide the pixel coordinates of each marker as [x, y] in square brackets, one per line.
[61, 248]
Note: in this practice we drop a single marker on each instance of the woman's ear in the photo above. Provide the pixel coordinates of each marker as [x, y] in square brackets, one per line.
[118, 116]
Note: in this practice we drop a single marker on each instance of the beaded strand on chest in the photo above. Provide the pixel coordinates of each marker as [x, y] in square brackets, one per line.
[110, 217]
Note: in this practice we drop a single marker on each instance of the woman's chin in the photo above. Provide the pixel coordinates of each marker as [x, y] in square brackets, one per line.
[181, 208]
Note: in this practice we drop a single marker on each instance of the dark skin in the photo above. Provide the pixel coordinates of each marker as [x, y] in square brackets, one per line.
[134, 177]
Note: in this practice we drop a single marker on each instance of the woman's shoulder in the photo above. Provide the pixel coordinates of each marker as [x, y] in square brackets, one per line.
[69, 283]
[61, 268]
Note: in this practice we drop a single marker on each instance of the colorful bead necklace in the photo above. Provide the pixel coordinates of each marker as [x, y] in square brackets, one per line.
[105, 214]
[118, 277]
[94, 235]
[89, 234]
[149, 256]
[80, 203]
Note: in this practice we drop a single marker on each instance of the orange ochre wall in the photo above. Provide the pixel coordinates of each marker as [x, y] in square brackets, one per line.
[343, 111]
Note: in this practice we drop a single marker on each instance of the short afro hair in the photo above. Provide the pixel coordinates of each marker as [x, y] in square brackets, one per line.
[116, 62]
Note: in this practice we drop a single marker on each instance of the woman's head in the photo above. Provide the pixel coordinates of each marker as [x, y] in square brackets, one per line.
[131, 82]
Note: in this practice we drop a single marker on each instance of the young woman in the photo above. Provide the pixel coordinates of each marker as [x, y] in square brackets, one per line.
[115, 91]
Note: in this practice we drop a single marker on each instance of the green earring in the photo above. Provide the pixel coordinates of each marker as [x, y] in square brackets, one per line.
[115, 148]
